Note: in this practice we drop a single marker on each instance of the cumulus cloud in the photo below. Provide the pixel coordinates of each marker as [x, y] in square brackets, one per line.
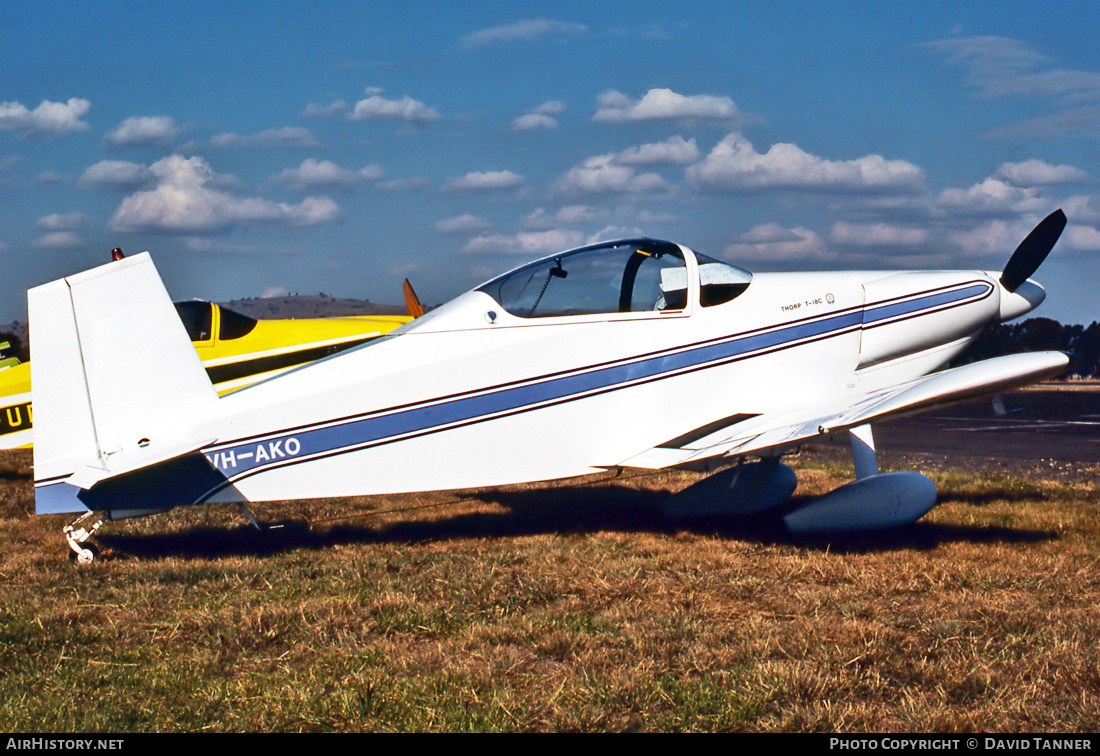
[61, 221]
[115, 175]
[661, 104]
[1085, 238]
[186, 201]
[1083, 208]
[143, 131]
[540, 117]
[550, 107]
[997, 238]
[992, 197]
[614, 231]
[462, 224]
[314, 173]
[288, 136]
[337, 108]
[771, 242]
[525, 31]
[570, 215]
[877, 235]
[376, 106]
[602, 173]
[59, 240]
[673, 151]
[532, 121]
[47, 118]
[487, 181]
[1039, 173]
[648, 218]
[405, 185]
[735, 165]
[211, 245]
[994, 238]
[530, 243]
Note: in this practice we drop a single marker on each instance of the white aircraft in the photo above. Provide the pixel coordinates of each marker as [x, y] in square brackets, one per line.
[633, 353]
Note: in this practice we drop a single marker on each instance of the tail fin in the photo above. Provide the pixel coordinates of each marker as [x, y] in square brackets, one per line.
[412, 302]
[115, 379]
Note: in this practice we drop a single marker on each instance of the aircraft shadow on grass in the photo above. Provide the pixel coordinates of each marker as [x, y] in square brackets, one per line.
[559, 511]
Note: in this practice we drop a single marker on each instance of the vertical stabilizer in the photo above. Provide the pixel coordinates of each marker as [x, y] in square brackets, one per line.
[115, 378]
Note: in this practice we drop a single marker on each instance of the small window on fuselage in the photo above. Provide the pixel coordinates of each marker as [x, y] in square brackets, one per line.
[720, 282]
[233, 325]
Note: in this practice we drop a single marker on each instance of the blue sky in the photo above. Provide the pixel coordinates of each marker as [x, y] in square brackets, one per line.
[338, 147]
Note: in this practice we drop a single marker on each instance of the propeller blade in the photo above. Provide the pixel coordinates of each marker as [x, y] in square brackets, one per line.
[1033, 250]
[412, 302]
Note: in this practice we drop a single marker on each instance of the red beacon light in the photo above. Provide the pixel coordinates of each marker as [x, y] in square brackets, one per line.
[116, 254]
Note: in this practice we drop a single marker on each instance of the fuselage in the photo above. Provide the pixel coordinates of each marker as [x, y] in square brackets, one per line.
[475, 395]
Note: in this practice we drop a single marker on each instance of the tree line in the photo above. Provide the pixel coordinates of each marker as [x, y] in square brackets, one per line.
[1082, 343]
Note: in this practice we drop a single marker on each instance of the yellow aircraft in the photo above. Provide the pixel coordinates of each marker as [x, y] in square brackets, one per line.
[15, 401]
[235, 349]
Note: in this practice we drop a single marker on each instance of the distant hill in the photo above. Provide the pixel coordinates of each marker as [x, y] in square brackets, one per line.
[309, 306]
[20, 343]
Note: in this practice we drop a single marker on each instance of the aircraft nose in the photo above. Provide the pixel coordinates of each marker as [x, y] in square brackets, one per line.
[1023, 300]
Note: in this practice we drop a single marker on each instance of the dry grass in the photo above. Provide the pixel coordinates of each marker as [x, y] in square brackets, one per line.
[558, 608]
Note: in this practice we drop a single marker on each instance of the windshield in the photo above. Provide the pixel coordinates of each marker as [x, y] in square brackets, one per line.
[197, 318]
[622, 276]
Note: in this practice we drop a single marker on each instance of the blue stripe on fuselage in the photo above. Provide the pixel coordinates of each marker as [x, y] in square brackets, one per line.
[883, 312]
[238, 460]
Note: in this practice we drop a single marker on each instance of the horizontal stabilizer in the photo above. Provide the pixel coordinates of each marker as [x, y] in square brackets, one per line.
[130, 460]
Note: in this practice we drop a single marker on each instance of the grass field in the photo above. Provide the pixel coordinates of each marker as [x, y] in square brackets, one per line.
[566, 607]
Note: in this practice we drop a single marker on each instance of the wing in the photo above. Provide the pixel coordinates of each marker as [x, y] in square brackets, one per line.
[775, 431]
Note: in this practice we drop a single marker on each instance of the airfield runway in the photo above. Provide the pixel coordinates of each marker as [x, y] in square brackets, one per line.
[1052, 426]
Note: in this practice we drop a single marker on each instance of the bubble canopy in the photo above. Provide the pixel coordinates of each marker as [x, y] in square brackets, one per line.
[628, 275]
